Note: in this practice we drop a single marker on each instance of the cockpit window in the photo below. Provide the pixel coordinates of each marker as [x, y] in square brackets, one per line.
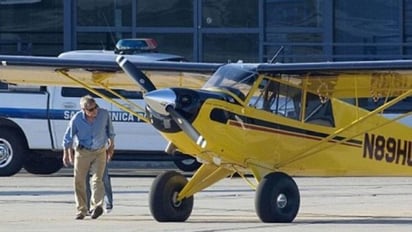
[236, 78]
[318, 112]
[277, 98]
[286, 100]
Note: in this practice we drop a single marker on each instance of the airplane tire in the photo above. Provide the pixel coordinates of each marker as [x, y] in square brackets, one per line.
[277, 198]
[162, 198]
[12, 150]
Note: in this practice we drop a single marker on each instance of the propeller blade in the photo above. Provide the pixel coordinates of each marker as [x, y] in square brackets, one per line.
[186, 127]
[135, 73]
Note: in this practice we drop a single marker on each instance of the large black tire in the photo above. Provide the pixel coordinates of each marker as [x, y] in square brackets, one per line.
[162, 199]
[12, 152]
[186, 163]
[43, 165]
[277, 198]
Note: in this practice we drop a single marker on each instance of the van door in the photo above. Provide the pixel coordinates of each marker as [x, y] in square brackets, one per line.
[27, 107]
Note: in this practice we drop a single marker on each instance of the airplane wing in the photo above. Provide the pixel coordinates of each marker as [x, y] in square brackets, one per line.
[96, 73]
[347, 79]
[337, 79]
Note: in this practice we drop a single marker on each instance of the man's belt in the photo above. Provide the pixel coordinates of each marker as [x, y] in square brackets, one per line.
[81, 147]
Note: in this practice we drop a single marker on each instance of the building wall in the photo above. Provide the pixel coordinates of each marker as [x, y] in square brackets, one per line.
[214, 30]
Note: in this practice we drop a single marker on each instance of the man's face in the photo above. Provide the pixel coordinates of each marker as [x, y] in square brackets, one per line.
[91, 110]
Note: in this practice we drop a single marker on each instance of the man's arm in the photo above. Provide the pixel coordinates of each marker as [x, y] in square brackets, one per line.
[110, 135]
[68, 153]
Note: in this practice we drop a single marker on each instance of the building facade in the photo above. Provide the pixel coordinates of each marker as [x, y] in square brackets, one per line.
[214, 30]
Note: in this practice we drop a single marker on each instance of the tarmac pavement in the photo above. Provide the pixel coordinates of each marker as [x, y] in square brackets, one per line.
[46, 203]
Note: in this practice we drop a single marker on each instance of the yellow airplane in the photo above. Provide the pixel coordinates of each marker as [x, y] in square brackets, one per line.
[269, 121]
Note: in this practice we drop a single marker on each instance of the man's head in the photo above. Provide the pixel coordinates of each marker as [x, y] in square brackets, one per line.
[88, 105]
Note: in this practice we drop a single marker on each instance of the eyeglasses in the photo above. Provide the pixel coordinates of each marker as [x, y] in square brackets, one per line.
[91, 109]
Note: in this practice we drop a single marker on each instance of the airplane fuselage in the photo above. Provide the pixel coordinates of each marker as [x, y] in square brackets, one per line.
[267, 140]
[320, 140]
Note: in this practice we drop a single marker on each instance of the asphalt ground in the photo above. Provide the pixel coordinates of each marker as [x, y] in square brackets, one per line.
[46, 203]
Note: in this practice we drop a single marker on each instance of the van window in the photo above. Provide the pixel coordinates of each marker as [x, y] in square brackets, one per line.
[4, 87]
[80, 92]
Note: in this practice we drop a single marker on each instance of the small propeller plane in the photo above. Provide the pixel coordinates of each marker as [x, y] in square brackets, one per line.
[267, 122]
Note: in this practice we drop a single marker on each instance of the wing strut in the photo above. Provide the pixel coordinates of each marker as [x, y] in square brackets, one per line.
[204, 177]
[103, 96]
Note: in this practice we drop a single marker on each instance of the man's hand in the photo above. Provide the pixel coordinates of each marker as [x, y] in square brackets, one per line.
[68, 157]
[110, 152]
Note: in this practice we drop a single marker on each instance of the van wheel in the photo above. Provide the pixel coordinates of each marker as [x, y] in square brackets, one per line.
[12, 150]
[43, 165]
[186, 163]
[163, 202]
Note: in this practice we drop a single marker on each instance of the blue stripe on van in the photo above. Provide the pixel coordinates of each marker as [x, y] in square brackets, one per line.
[117, 116]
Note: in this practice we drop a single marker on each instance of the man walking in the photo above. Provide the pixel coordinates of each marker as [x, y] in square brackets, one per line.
[93, 130]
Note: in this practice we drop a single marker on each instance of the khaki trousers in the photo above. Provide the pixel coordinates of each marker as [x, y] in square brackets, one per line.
[95, 161]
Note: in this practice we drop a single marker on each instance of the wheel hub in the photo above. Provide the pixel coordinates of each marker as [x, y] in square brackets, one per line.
[5, 153]
[281, 201]
[175, 202]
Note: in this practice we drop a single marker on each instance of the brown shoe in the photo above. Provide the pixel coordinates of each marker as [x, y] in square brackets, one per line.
[97, 212]
[79, 216]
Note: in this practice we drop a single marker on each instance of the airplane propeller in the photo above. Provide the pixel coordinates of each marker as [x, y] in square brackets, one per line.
[135, 73]
[163, 101]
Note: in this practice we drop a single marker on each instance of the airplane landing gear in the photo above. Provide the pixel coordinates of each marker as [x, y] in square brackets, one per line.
[277, 198]
[164, 205]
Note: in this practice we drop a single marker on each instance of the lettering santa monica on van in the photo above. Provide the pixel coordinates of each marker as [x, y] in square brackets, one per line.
[116, 116]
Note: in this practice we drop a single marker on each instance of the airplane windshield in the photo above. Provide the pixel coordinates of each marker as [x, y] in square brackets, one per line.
[237, 78]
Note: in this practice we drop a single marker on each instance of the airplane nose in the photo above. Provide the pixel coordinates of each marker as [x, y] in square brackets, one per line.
[159, 100]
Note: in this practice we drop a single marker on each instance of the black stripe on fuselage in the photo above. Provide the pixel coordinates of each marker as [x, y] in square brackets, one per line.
[227, 117]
